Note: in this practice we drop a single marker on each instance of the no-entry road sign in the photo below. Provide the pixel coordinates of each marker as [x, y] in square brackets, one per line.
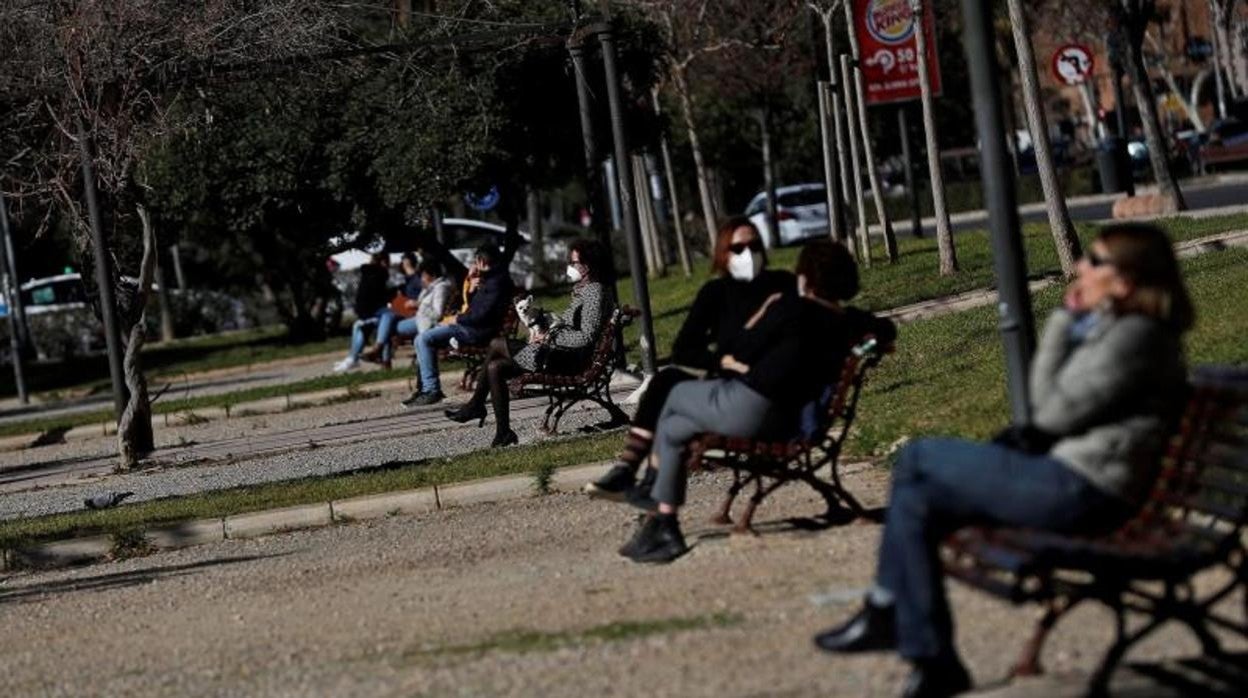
[1072, 64]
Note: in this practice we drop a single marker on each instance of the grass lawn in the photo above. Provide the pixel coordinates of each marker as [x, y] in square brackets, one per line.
[946, 378]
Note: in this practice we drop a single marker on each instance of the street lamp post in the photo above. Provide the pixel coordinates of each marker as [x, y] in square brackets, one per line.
[1014, 301]
[12, 287]
[628, 203]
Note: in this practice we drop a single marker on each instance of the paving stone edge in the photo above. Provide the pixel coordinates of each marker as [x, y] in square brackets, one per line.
[101, 548]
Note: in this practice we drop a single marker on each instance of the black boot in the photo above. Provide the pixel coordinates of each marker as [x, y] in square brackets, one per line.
[504, 438]
[615, 485]
[874, 628]
[659, 542]
[937, 678]
[468, 412]
[645, 531]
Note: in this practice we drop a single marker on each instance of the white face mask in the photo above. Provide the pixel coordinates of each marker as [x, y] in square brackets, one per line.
[574, 274]
[744, 266]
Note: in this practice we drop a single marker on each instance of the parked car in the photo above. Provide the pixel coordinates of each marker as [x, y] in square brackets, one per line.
[801, 212]
[462, 236]
[1225, 142]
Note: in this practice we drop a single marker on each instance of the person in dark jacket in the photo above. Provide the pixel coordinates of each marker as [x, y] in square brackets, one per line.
[719, 313]
[564, 347]
[479, 323]
[371, 309]
[1106, 383]
[791, 349]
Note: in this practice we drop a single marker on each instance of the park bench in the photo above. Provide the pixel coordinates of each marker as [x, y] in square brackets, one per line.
[473, 355]
[592, 384]
[1192, 522]
[768, 465]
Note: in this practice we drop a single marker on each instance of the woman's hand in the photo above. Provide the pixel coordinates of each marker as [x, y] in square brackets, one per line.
[762, 310]
[730, 363]
[411, 304]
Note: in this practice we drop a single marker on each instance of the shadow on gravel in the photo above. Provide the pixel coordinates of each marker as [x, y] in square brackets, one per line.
[1197, 676]
[118, 580]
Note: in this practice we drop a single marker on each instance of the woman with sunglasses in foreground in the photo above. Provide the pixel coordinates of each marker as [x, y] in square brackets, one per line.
[1106, 382]
[719, 311]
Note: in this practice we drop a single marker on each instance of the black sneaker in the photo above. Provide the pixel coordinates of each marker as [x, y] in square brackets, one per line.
[645, 526]
[615, 485]
[660, 542]
[421, 399]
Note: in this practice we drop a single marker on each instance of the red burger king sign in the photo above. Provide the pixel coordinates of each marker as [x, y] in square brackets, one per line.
[889, 59]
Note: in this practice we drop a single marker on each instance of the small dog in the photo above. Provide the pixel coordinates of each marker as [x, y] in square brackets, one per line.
[533, 317]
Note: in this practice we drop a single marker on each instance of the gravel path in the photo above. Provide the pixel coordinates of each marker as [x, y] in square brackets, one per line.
[264, 448]
[514, 599]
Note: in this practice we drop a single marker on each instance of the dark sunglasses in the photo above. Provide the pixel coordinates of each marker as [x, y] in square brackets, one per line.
[1096, 260]
[754, 245]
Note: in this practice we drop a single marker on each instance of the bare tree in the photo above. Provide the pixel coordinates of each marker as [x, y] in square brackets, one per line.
[944, 232]
[117, 68]
[868, 150]
[1065, 239]
[689, 31]
[830, 129]
[1133, 18]
[1222, 12]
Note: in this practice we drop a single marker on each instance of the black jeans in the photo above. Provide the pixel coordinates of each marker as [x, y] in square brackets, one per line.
[651, 403]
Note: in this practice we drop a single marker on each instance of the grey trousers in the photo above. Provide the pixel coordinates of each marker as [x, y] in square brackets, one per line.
[719, 406]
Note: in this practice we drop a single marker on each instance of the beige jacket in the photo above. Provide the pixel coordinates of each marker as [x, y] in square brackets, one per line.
[1110, 399]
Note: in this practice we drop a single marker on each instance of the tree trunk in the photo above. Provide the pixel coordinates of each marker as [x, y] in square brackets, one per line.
[537, 253]
[709, 214]
[646, 219]
[769, 177]
[868, 150]
[1142, 88]
[678, 225]
[864, 232]
[944, 232]
[166, 304]
[829, 129]
[134, 430]
[1065, 239]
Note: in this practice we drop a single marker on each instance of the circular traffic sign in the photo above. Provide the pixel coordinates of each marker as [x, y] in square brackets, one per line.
[1072, 64]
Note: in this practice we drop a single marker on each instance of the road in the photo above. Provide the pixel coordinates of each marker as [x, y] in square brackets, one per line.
[1203, 196]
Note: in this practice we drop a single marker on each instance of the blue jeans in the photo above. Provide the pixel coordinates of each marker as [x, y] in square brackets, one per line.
[360, 328]
[940, 485]
[390, 325]
[427, 344]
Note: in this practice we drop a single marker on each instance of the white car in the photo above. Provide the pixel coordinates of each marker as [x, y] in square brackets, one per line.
[801, 212]
[462, 236]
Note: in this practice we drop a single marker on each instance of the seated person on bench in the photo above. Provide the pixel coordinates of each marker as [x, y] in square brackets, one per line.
[565, 346]
[1106, 383]
[792, 348]
[477, 324]
[742, 282]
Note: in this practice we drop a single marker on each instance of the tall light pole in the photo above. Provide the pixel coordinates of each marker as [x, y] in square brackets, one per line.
[12, 287]
[103, 274]
[628, 201]
[1015, 321]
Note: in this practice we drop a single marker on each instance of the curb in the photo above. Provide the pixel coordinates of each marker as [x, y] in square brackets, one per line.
[185, 534]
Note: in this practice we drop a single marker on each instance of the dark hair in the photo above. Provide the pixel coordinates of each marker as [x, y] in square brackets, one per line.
[592, 256]
[723, 240]
[489, 253]
[830, 270]
[432, 267]
[1144, 255]
[412, 259]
